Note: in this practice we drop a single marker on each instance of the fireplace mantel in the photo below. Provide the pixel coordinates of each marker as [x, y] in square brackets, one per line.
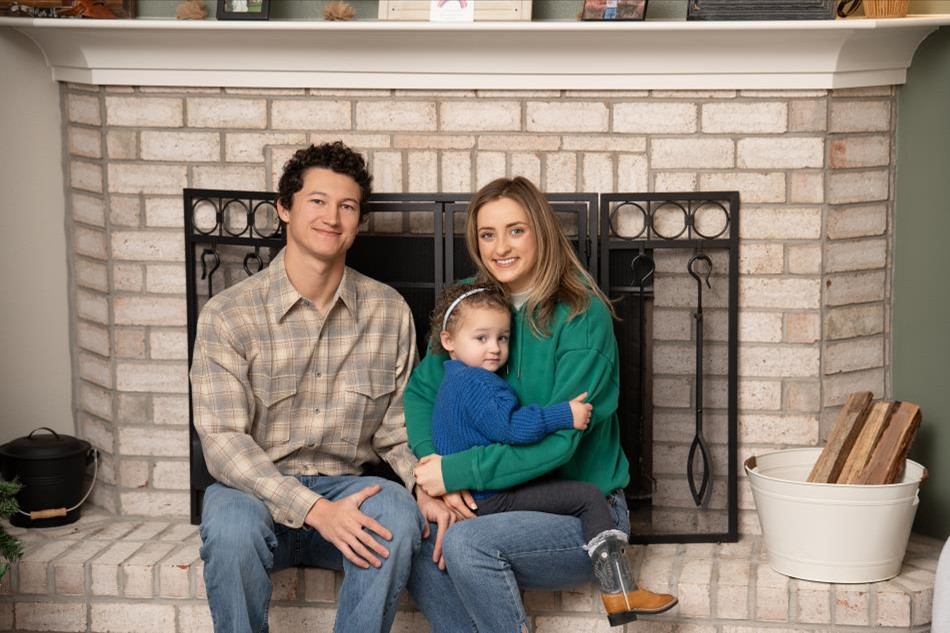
[485, 55]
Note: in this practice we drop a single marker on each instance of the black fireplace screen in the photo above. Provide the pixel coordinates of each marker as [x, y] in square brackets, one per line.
[670, 263]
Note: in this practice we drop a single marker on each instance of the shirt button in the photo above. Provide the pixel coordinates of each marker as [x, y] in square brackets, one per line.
[319, 374]
[316, 410]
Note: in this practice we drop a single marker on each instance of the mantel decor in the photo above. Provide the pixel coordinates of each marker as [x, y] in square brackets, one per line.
[95, 9]
[760, 10]
[614, 10]
[485, 10]
[243, 9]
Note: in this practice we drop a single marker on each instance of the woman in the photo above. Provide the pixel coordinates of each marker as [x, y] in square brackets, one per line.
[562, 344]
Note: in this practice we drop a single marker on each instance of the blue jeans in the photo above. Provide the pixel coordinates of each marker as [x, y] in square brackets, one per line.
[490, 557]
[241, 546]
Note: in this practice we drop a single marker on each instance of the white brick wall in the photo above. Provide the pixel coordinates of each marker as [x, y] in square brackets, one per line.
[745, 118]
[144, 178]
[85, 175]
[699, 153]
[85, 142]
[860, 116]
[566, 116]
[144, 111]
[180, 146]
[478, 116]
[227, 113]
[813, 169]
[81, 108]
[655, 118]
[402, 116]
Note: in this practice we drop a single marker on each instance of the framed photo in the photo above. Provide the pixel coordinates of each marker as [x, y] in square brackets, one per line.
[243, 9]
[614, 10]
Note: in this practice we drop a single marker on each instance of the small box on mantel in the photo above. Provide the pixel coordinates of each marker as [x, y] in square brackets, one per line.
[485, 10]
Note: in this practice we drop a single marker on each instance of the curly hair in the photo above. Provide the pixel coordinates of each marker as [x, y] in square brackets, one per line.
[336, 157]
[492, 295]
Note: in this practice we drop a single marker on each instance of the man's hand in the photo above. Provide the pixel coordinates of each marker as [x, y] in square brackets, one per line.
[428, 474]
[435, 511]
[342, 523]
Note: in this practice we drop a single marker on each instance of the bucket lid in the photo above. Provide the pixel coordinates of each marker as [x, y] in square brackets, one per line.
[44, 446]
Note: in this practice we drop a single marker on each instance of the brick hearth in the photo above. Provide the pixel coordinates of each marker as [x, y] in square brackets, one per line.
[140, 575]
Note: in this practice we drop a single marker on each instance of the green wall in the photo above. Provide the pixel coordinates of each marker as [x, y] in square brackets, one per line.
[921, 314]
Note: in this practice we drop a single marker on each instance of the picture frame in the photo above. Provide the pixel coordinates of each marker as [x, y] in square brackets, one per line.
[614, 10]
[243, 10]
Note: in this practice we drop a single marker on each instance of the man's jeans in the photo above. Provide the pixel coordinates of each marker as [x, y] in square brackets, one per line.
[490, 557]
[241, 546]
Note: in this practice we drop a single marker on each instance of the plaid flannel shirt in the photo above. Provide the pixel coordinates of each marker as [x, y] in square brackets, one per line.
[280, 390]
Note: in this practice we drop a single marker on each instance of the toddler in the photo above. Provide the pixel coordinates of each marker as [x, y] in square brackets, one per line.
[475, 407]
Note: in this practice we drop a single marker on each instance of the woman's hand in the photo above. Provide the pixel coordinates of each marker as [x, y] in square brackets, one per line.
[461, 504]
[435, 511]
[428, 474]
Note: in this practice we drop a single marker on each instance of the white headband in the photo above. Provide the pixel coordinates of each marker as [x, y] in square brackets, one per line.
[454, 304]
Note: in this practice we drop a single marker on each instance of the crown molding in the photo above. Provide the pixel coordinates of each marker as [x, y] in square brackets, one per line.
[763, 55]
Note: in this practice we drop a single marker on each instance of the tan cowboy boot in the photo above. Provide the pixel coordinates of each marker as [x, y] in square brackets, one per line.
[622, 599]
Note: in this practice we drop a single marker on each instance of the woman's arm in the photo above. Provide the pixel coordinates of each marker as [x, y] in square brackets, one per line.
[502, 466]
[419, 400]
[585, 361]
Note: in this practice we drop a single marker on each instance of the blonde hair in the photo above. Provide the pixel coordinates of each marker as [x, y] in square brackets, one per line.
[558, 273]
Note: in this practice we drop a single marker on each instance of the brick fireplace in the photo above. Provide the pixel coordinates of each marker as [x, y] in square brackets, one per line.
[814, 169]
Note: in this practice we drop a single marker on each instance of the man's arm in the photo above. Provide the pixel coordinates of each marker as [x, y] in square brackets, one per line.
[390, 441]
[224, 408]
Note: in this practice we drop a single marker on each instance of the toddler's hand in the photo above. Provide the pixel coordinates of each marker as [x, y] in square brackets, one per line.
[581, 412]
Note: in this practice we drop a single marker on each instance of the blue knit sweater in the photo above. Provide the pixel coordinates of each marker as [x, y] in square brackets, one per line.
[475, 407]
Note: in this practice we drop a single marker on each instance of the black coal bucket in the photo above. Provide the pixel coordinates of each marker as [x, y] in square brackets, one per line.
[52, 469]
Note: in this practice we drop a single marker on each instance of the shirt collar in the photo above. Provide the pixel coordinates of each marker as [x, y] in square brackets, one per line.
[283, 296]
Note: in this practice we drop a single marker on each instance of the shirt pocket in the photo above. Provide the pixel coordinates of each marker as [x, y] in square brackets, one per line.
[275, 406]
[366, 399]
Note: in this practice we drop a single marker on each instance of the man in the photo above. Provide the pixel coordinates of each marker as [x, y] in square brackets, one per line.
[298, 378]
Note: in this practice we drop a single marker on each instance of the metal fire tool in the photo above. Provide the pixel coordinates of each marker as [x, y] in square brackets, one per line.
[698, 441]
[647, 267]
[206, 271]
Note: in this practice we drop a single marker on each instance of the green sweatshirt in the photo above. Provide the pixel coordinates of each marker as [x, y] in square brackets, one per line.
[579, 355]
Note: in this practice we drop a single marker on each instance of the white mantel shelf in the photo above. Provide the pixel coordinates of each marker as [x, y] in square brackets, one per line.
[764, 55]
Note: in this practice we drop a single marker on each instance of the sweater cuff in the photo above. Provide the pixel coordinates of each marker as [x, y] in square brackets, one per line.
[424, 448]
[558, 416]
[458, 473]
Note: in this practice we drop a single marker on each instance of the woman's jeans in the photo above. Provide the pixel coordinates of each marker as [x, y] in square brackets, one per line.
[490, 557]
[241, 546]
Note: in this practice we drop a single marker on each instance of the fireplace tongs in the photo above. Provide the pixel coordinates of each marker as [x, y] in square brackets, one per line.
[699, 493]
